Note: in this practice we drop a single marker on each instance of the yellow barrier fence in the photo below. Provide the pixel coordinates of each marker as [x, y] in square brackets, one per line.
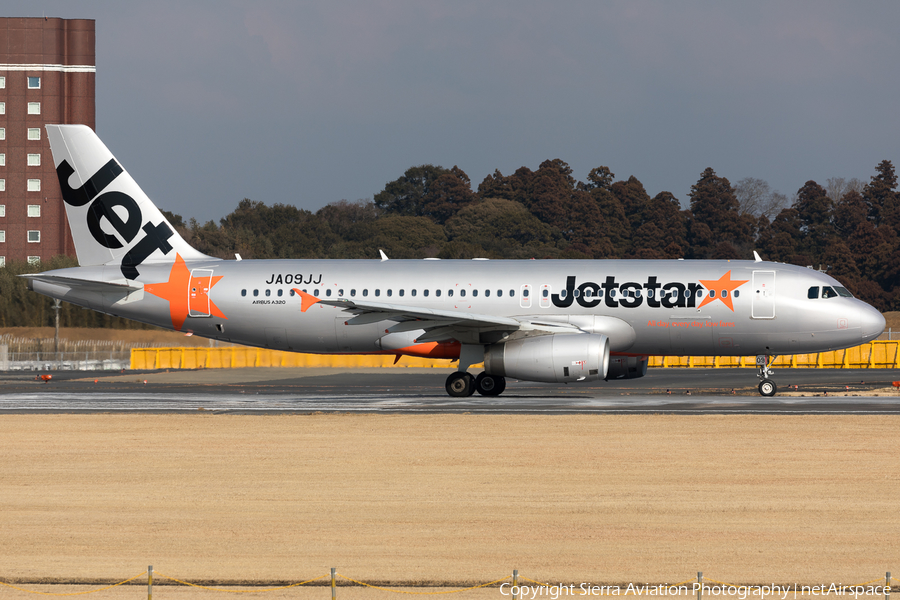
[880, 354]
[244, 356]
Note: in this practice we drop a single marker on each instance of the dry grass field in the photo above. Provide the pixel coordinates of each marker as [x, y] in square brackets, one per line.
[448, 498]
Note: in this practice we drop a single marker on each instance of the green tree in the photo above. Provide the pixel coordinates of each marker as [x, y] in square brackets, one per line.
[399, 237]
[662, 230]
[449, 193]
[778, 240]
[881, 196]
[427, 191]
[814, 209]
[714, 204]
[498, 228]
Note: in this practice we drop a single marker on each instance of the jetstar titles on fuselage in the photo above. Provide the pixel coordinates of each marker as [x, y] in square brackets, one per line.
[633, 294]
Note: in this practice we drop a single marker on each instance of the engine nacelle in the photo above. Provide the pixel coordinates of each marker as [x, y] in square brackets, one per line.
[550, 358]
[627, 367]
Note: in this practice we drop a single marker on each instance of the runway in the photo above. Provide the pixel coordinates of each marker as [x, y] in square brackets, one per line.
[303, 391]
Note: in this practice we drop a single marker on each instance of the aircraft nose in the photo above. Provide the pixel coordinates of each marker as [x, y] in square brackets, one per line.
[871, 323]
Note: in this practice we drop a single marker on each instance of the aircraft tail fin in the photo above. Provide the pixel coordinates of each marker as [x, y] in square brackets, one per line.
[111, 218]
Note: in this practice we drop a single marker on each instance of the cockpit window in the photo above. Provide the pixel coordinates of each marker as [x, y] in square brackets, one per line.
[828, 292]
[813, 292]
[843, 292]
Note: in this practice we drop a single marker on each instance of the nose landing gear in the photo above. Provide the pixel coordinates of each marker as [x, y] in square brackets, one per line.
[767, 387]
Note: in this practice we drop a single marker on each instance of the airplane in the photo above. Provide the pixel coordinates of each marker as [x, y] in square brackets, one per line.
[557, 321]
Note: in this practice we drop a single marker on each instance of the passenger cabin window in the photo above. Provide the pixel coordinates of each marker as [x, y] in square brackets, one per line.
[243, 292]
[401, 293]
[462, 293]
[813, 292]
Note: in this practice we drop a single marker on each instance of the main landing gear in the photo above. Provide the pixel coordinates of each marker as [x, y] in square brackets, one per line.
[460, 384]
[767, 387]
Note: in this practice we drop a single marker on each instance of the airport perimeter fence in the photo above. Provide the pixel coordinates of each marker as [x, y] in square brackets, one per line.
[879, 354]
[519, 587]
[37, 354]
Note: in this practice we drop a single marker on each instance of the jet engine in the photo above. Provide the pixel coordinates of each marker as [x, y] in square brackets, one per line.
[550, 358]
[627, 367]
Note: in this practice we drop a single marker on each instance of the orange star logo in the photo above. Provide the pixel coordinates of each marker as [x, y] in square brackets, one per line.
[722, 289]
[186, 292]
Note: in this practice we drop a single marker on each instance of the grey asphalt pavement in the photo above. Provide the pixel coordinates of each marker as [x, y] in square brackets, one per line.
[284, 390]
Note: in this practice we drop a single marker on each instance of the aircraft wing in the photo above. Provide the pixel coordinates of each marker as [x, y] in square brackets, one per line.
[439, 325]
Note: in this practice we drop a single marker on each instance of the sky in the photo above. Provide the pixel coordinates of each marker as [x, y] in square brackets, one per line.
[207, 102]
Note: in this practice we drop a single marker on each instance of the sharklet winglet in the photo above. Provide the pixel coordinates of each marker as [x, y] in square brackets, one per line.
[306, 300]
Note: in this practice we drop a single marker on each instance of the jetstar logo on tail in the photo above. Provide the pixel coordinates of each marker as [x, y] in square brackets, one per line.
[184, 292]
[633, 294]
[104, 207]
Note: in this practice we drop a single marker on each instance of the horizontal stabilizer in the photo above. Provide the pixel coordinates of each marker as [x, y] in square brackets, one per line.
[86, 285]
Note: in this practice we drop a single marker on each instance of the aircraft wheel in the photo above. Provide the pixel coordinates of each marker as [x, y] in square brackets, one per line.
[490, 385]
[767, 387]
[460, 385]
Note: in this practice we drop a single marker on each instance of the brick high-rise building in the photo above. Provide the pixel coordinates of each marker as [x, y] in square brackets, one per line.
[47, 73]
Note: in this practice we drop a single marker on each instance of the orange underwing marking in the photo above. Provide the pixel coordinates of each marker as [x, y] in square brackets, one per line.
[175, 290]
[725, 282]
[306, 300]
